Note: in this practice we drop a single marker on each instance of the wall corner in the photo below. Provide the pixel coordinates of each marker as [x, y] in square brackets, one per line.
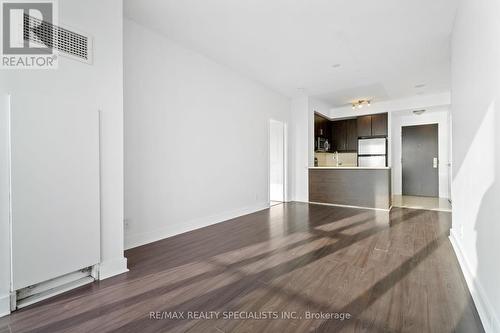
[110, 268]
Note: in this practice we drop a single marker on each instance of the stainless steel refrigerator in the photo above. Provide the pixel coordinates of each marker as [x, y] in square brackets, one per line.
[372, 152]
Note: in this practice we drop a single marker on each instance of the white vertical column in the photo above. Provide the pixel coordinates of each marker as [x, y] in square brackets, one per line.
[301, 123]
[110, 101]
[277, 163]
[113, 261]
[5, 243]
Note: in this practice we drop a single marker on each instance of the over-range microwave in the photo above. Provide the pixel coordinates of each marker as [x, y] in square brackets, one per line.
[322, 144]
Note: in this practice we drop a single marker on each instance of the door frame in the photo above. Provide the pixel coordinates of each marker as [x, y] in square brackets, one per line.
[285, 159]
[438, 152]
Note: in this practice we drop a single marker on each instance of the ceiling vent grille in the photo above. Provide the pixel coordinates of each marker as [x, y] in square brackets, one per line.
[75, 45]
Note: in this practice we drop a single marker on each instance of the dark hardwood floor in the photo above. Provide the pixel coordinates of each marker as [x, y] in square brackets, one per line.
[391, 272]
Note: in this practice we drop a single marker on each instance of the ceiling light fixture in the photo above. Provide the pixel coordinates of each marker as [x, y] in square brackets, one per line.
[359, 103]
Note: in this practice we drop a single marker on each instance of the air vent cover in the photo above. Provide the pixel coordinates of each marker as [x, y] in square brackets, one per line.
[75, 45]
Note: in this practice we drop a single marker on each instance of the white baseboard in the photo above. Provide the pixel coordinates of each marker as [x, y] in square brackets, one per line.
[4, 305]
[135, 240]
[483, 305]
[113, 267]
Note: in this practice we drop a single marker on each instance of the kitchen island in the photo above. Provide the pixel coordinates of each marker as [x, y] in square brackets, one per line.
[366, 187]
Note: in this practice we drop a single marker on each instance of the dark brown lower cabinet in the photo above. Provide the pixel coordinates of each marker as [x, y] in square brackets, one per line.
[369, 188]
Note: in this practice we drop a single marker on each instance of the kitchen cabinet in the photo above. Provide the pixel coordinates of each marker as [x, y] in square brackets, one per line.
[364, 126]
[352, 135]
[379, 124]
[321, 127]
[372, 125]
[323, 130]
[344, 135]
[338, 136]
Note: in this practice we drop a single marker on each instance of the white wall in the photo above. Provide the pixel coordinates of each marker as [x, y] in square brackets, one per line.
[4, 205]
[196, 138]
[437, 115]
[476, 152]
[277, 160]
[300, 147]
[302, 110]
[78, 86]
[105, 21]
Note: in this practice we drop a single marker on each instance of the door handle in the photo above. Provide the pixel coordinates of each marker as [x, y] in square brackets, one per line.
[435, 162]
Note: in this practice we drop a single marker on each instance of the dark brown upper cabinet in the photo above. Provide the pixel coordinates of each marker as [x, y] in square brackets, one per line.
[321, 127]
[372, 125]
[364, 126]
[352, 135]
[344, 135]
[338, 135]
[379, 124]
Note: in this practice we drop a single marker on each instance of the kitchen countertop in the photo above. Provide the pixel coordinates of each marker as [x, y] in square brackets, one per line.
[351, 168]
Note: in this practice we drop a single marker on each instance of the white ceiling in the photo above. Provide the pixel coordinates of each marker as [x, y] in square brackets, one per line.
[384, 47]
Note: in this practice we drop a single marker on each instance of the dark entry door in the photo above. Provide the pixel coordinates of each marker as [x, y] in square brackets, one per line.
[420, 160]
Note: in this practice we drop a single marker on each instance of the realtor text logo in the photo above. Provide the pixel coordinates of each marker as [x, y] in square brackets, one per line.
[28, 34]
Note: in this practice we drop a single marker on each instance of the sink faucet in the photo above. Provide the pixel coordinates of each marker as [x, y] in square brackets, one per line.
[336, 158]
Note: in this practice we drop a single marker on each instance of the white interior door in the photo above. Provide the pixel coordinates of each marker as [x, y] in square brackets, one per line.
[55, 190]
[277, 161]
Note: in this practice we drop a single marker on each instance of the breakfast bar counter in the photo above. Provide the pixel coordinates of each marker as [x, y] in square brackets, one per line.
[366, 187]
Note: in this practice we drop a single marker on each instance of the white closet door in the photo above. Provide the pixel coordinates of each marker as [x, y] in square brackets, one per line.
[55, 190]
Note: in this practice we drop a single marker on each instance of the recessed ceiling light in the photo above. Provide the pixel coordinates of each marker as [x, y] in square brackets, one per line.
[336, 65]
[421, 85]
